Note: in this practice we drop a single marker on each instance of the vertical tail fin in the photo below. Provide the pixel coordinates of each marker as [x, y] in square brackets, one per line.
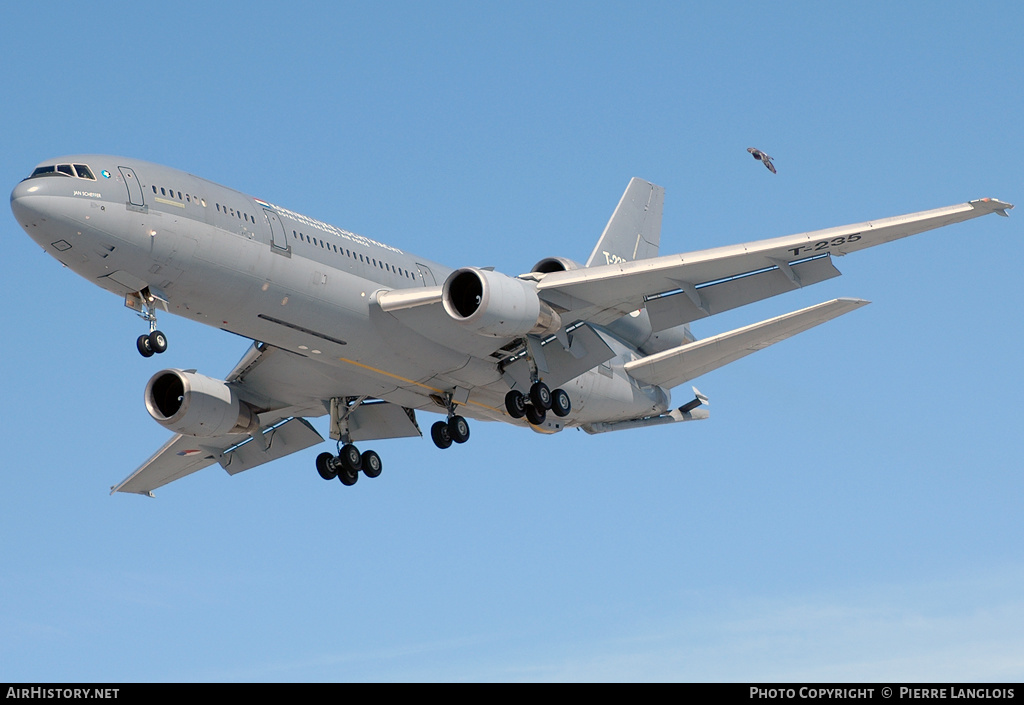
[634, 230]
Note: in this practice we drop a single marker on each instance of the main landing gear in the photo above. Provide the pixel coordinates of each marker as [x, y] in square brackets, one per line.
[454, 430]
[536, 405]
[349, 462]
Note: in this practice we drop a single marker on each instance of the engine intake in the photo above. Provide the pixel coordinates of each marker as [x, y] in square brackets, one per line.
[196, 405]
[497, 305]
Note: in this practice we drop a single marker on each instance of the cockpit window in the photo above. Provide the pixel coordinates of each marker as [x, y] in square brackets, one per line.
[82, 171]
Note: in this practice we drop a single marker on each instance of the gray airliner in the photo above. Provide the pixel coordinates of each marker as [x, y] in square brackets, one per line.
[371, 335]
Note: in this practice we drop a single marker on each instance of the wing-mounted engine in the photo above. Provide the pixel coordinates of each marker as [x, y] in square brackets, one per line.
[196, 405]
[496, 305]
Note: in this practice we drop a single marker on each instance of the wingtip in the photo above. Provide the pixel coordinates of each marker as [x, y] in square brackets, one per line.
[993, 205]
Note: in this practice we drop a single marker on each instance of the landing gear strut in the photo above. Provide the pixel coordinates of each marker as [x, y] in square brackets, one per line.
[145, 303]
[348, 463]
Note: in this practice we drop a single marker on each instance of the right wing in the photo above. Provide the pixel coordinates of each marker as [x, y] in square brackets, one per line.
[287, 387]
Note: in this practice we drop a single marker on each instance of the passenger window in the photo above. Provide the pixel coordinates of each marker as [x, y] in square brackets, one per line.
[162, 191]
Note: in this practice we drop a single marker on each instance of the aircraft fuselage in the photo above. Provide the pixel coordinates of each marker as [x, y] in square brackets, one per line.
[226, 259]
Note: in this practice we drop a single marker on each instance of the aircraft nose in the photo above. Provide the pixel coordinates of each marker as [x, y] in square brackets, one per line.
[28, 199]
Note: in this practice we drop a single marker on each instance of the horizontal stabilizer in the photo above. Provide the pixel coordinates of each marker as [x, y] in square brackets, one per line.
[690, 411]
[689, 361]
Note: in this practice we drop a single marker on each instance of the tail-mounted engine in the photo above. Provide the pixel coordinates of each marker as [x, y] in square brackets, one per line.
[555, 264]
[497, 305]
[196, 405]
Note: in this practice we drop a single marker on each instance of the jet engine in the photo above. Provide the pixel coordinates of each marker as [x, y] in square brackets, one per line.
[555, 264]
[196, 405]
[497, 305]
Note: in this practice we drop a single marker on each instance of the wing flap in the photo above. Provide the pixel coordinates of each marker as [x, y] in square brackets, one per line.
[673, 367]
[692, 303]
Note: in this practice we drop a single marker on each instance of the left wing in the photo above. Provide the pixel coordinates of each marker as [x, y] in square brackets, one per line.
[700, 284]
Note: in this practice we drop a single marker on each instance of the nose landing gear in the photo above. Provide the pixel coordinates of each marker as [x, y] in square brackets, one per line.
[145, 303]
[155, 342]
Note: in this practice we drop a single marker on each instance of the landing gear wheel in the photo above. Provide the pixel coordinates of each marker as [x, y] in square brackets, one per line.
[350, 458]
[560, 403]
[348, 477]
[534, 415]
[145, 349]
[325, 466]
[540, 395]
[515, 404]
[157, 341]
[371, 464]
[440, 434]
[458, 429]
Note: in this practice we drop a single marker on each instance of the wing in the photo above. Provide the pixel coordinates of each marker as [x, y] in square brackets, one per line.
[286, 387]
[680, 288]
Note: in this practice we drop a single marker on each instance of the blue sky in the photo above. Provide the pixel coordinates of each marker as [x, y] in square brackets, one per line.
[849, 512]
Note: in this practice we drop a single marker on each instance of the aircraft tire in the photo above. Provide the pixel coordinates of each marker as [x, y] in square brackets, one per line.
[440, 434]
[560, 402]
[324, 466]
[144, 347]
[371, 464]
[534, 415]
[458, 429]
[515, 404]
[350, 458]
[540, 395]
[348, 477]
[157, 341]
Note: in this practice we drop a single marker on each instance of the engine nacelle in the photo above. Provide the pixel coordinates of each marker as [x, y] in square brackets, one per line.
[497, 305]
[555, 264]
[196, 405]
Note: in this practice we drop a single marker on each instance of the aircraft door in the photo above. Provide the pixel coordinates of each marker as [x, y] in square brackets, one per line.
[278, 235]
[426, 275]
[131, 182]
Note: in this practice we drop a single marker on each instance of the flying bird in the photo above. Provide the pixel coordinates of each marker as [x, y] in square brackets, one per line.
[763, 158]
